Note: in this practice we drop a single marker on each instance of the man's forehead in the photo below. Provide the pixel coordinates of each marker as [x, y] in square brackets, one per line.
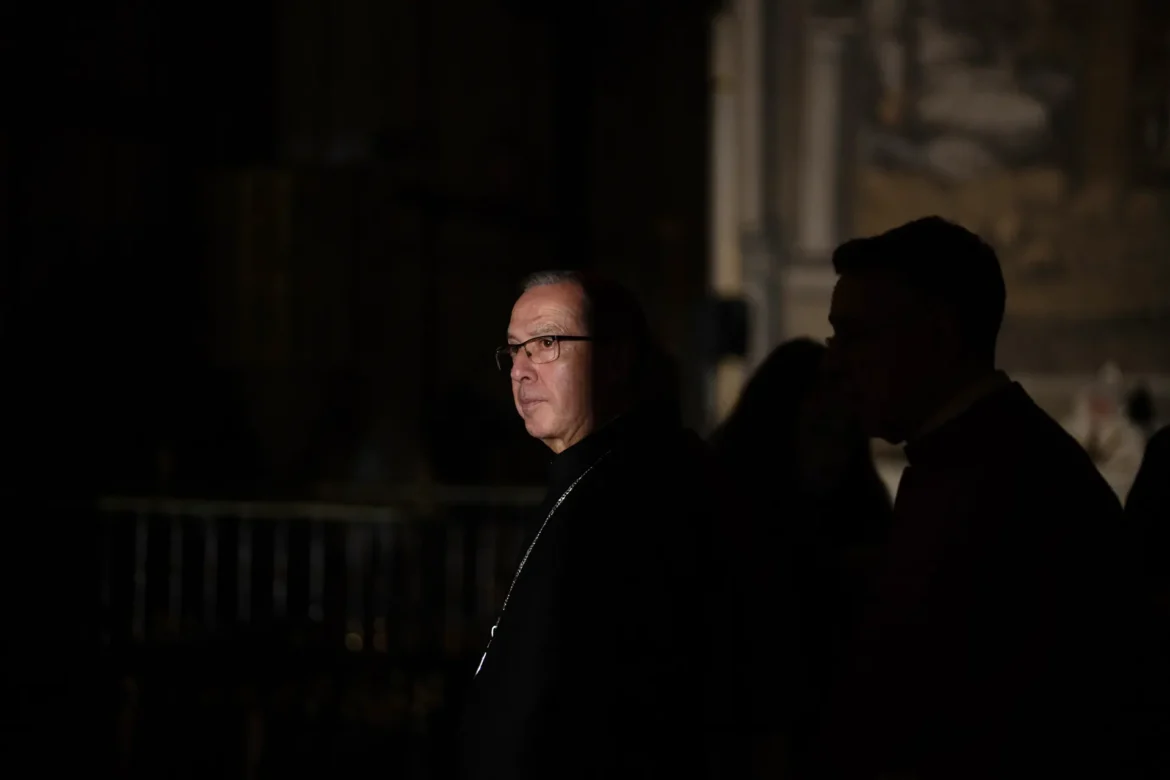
[549, 309]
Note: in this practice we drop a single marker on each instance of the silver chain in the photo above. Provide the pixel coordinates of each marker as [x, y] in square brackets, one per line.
[528, 552]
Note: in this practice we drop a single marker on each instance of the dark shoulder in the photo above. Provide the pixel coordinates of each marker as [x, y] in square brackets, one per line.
[1049, 465]
[648, 508]
[1158, 447]
[675, 451]
[1035, 436]
[649, 480]
[1151, 487]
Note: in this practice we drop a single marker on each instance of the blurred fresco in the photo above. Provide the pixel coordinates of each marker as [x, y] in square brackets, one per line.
[1039, 125]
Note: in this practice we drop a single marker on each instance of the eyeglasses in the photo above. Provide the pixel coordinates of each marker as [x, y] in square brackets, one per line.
[539, 349]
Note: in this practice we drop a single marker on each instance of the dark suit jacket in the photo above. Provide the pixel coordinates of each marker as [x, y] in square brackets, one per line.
[1148, 505]
[1000, 634]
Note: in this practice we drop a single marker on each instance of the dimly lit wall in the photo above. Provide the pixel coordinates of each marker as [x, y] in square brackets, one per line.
[1044, 127]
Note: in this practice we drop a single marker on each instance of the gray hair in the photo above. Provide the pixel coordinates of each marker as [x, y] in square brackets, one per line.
[545, 278]
[612, 311]
[614, 314]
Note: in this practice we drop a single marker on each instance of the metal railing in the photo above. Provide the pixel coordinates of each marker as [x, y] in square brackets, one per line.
[364, 578]
[207, 605]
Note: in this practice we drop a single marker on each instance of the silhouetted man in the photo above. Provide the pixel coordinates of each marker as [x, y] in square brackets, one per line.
[1147, 507]
[1147, 511]
[999, 619]
[604, 661]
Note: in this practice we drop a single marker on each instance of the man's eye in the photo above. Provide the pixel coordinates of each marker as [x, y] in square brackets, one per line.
[547, 343]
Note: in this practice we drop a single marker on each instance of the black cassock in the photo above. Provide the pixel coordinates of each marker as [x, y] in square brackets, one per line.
[623, 643]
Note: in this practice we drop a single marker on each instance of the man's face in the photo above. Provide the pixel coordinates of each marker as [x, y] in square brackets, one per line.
[887, 348]
[555, 398]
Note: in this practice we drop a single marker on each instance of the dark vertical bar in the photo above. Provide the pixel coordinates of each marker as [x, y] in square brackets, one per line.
[138, 615]
[175, 586]
[380, 589]
[576, 28]
[316, 572]
[210, 572]
[280, 567]
[411, 609]
[123, 568]
[369, 557]
[244, 571]
[107, 563]
[356, 558]
[415, 552]
[334, 582]
[158, 583]
[9, 219]
[297, 567]
[227, 583]
[194, 582]
[263, 570]
[453, 586]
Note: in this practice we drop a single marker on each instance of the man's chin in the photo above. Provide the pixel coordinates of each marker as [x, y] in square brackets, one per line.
[533, 423]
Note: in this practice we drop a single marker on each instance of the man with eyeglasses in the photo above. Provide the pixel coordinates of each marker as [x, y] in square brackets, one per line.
[617, 648]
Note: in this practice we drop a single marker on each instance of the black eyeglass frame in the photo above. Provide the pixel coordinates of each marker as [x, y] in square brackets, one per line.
[509, 351]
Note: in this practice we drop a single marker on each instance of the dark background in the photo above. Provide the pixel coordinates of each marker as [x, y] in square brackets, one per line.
[261, 247]
[261, 251]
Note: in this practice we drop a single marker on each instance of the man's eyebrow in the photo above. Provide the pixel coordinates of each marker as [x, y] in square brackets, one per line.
[547, 329]
[540, 329]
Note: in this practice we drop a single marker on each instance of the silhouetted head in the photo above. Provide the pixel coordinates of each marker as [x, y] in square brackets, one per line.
[579, 353]
[916, 314]
[770, 402]
[790, 420]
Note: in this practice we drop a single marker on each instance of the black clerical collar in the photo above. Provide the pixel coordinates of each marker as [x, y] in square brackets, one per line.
[972, 435]
[635, 423]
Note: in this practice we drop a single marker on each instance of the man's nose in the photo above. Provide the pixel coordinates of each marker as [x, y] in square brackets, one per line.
[522, 366]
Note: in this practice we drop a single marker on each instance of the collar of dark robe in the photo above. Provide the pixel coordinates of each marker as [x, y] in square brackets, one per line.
[640, 423]
[973, 435]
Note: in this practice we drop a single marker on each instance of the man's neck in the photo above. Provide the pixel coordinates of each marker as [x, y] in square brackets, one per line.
[606, 417]
[969, 393]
